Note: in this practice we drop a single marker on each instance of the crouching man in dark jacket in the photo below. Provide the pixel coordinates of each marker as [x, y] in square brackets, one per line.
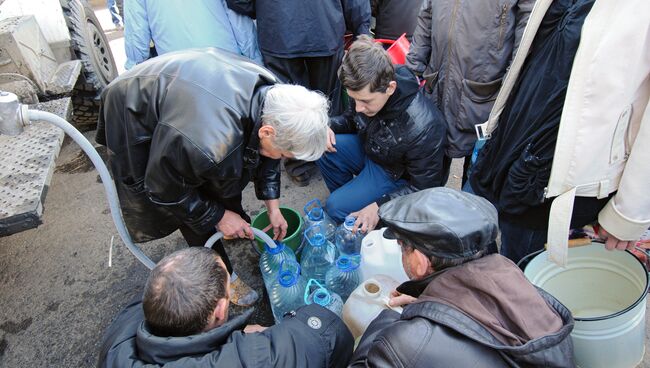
[183, 322]
[464, 308]
[389, 143]
[187, 131]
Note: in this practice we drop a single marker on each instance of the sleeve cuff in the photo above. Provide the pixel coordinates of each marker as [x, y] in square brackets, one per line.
[619, 225]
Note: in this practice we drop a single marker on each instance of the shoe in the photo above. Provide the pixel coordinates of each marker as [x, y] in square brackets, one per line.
[301, 180]
[118, 27]
[240, 293]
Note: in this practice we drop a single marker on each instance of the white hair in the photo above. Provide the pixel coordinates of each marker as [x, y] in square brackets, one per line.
[299, 117]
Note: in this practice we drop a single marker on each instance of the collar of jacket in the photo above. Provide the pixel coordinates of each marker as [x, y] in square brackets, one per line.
[160, 350]
[416, 287]
[407, 88]
[251, 152]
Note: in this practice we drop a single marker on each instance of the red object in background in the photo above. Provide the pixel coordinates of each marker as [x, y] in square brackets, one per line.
[398, 48]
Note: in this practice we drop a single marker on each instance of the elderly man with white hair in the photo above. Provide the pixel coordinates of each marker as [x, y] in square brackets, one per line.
[188, 130]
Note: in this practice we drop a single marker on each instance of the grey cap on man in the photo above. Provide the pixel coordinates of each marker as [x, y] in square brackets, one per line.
[442, 222]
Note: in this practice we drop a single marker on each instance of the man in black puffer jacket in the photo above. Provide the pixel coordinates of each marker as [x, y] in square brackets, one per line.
[399, 142]
[182, 321]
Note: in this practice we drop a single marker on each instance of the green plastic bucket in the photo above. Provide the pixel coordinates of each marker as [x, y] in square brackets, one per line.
[294, 229]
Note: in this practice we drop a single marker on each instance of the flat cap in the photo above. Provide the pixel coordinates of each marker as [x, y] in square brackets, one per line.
[442, 222]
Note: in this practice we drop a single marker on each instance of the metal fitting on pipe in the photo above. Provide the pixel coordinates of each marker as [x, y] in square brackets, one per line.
[13, 114]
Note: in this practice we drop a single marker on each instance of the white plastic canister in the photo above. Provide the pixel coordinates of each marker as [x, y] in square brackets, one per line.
[367, 301]
[606, 293]
[381, 256]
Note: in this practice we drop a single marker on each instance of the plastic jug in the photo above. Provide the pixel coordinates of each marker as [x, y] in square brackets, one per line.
[323, 297]
[270, 261]
[381, 256]
[315, 215]
[286, 293]
[319, 254]
[347, 242]
[367, 301]
[344, 277]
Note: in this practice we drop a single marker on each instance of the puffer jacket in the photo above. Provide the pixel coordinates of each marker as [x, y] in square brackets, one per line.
[407, 137]
[181, 132]
[312, 337]
[463, 49]
[483, 313]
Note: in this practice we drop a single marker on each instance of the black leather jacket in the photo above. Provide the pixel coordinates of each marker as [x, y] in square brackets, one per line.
[440, 331]
[181, 132]
[312, 337]
[407, 137]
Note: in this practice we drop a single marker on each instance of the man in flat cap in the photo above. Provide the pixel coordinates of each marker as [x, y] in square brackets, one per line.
[463, 305]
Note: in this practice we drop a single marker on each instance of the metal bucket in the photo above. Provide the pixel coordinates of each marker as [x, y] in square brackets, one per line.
[606, 293]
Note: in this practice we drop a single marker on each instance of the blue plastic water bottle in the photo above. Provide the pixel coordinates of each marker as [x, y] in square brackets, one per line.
[323, 297]
[270, 261]
[316, 215]
[287, 292]
[344, 277]
[318, 255]
[347, 242]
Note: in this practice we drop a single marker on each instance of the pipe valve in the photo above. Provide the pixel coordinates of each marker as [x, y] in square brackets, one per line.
[13, 114]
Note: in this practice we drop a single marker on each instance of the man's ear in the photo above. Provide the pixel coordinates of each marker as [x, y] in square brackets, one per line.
[220, 313]
[392, 86]
[266, 131]
[422, 264]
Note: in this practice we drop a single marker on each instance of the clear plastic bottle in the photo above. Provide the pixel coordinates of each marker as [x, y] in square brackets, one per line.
[344, 277]
[316, 215]
[347, 242]
[323, 297]
[287, 291]
[319, 254]
[270, 261]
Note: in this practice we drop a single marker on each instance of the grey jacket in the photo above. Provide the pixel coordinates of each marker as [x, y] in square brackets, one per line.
[463, 50]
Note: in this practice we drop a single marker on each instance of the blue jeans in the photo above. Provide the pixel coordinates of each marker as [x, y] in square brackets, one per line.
[353, 179]
[518, 241]
[112, 8]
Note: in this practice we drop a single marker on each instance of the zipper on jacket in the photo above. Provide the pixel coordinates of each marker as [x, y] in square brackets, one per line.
[502, 25]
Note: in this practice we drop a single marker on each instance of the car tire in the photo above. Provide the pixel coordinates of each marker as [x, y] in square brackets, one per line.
[91, 47]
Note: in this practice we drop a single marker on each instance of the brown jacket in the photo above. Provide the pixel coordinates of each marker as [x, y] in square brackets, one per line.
[482, 313]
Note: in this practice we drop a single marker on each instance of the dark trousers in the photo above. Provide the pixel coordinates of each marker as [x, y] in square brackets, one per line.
[353, 179]
[314, 73]
[194, 239]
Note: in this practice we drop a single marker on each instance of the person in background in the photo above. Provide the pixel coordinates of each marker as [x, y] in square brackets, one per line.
[572, 153]
[302, 43]
[185, 133]
[395, 17]
[390, 141]
[116, 17]
[173, 25]
[462, 50]
[182, 321]
[463, 307]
